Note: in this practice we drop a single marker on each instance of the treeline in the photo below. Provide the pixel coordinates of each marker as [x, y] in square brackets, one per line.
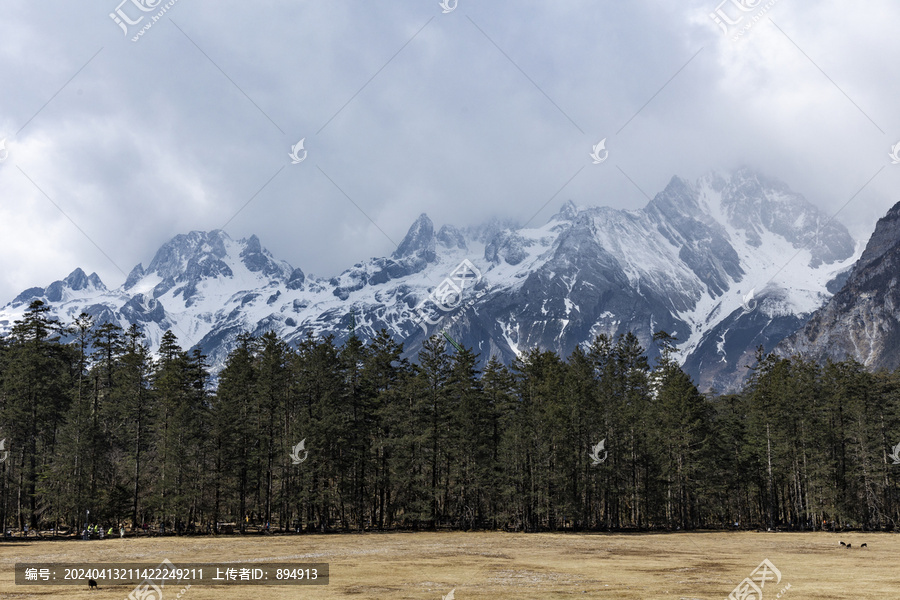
[98, 424]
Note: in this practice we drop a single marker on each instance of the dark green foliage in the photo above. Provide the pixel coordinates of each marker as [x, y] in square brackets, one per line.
[99, 424]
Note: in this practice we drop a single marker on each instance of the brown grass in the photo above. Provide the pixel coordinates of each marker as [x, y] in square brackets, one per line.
[502, 565]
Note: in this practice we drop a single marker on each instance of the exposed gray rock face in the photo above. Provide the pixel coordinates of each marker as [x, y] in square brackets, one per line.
[419, 241]
[862, 320]
[451, 237]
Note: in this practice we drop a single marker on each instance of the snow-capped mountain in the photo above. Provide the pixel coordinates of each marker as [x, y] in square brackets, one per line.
[684, 263]
[862, 320]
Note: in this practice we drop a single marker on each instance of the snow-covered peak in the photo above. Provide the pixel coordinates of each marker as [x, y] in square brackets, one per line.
[419, 241]
[259, 260]
[187, 260]
[568, 212]
[751, 205]
[78, 281]
[75, 286]
[451, 237]
[180, 257]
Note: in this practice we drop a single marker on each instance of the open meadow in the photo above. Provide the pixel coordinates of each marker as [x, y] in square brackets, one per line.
[500, 565]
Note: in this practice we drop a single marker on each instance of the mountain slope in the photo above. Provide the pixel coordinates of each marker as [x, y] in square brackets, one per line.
[862, 320]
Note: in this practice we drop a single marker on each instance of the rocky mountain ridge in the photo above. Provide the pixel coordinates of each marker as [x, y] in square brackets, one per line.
[683, 263]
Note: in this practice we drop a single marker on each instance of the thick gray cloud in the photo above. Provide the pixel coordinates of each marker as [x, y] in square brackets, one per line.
[487, 111]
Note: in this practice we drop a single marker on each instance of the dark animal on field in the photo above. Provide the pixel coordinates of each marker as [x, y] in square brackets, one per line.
[863, 545]
[843, 544]
[92, 584]
[848, 545]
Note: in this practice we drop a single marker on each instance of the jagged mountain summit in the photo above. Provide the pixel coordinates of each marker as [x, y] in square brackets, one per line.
[862, 320]
[684, 263]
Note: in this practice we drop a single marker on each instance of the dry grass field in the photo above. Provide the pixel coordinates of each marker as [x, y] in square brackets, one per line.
[501, 565]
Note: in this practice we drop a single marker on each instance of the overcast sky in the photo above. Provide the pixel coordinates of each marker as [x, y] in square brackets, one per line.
[488, 110]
